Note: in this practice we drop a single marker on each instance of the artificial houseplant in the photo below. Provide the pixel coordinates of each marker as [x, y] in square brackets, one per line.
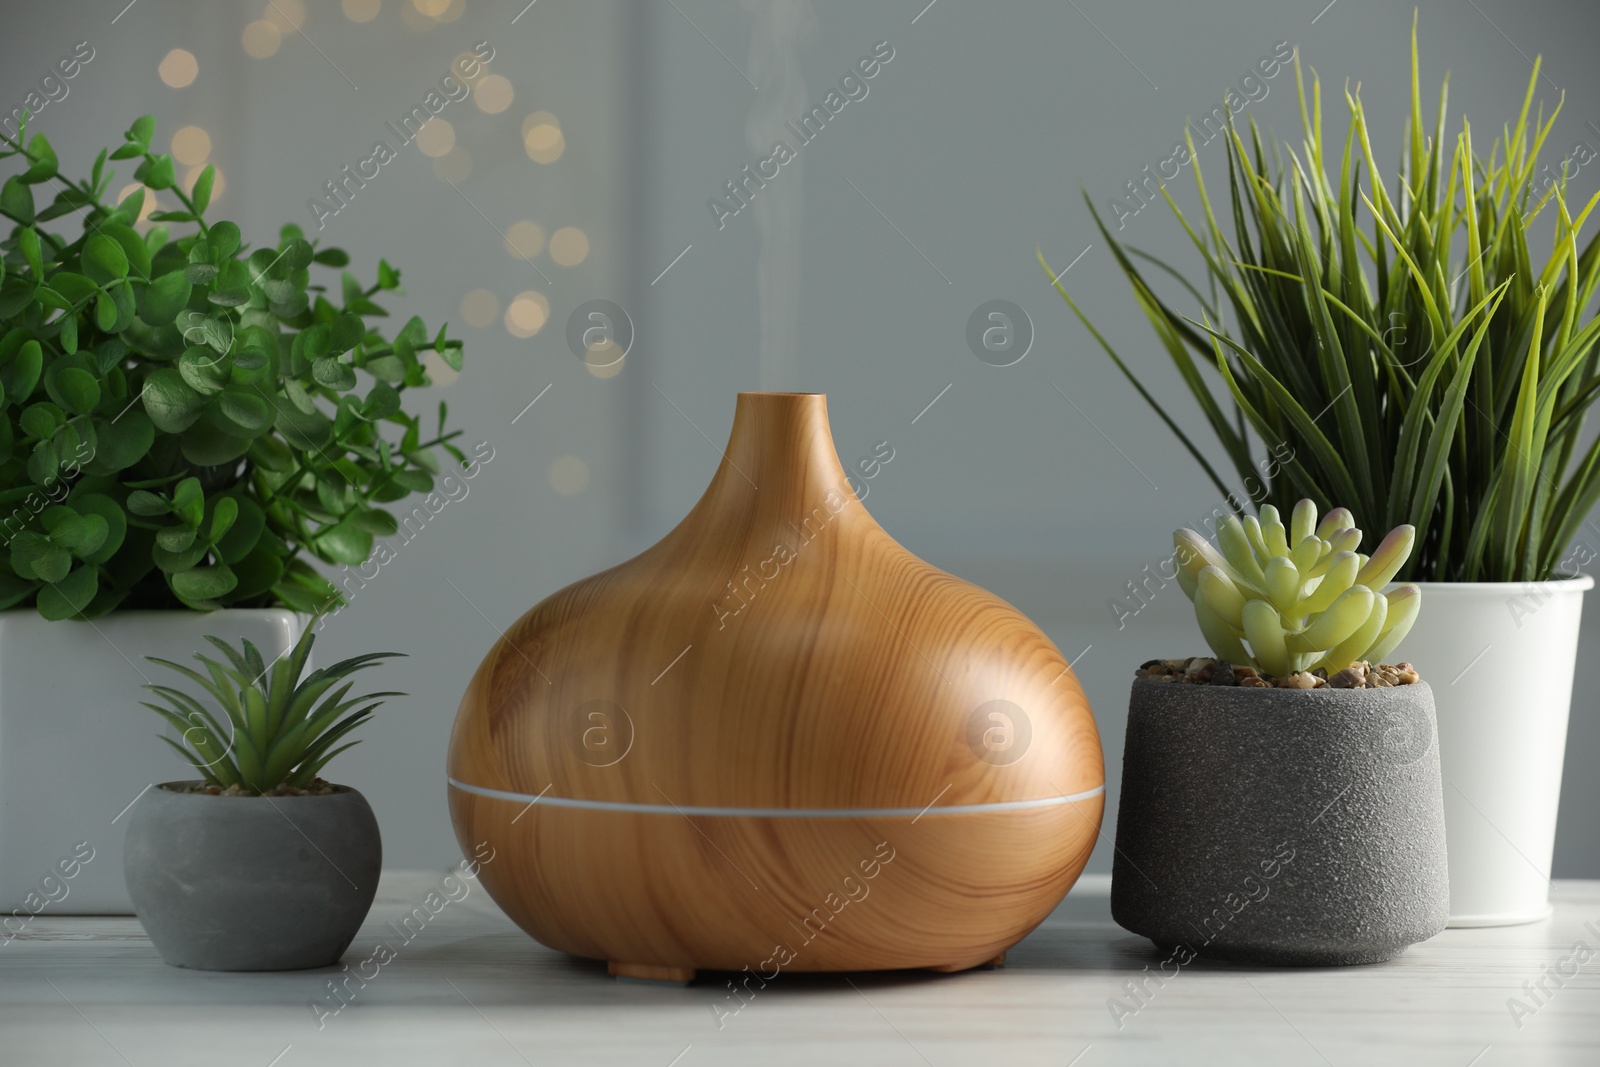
[1281, 801]
[1396, 332]
[188, 420]
[218, 867]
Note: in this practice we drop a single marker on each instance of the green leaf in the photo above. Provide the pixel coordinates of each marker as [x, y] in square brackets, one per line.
[175, 538]
[208, 445]
[382, 401]
[202, 370]
[40, 420]
[79, 534]
[297, 254]
[189, 502]
[98, 504]
[143, 128]
[103, 259]
[73, 388]
[105, 313]
[163, 298]
[246, 410]
[157, 173]
[144, 502]
[21, 375]
[172, 404]
[201, 194]
[305, 431]
[224, 512]
[34, 556]
[344, 542]
[16, 201]
[203, 583]
[28, 245]
[44, 161]
[122, 442]
[70, 595]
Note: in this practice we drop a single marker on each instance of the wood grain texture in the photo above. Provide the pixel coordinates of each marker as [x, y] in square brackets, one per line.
[776, 650]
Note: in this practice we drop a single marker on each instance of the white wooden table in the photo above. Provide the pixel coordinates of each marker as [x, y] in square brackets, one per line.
[472, 989]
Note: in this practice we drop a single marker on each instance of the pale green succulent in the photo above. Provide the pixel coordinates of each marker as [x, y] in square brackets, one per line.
[1302, 597]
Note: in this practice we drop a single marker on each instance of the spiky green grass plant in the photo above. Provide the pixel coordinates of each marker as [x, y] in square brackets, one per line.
[1301, 595]
[282, 728]
[1471, 430]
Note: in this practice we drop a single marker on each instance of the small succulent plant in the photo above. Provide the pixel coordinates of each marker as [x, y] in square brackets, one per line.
[280, 734]
[1301, 596]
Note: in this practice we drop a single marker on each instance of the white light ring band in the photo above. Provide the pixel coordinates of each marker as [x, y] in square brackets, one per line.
[776, 813]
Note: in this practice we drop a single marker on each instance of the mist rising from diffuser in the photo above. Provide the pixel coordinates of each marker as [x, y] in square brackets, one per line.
[779, 30]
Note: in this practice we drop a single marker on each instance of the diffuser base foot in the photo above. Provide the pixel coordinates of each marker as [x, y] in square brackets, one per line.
[650, 972]
[986, 965]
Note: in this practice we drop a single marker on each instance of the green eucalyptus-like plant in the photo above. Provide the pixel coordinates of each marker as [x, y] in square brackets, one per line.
[282, 729]
[189, 420]
[1301, 596]
[1397, 331]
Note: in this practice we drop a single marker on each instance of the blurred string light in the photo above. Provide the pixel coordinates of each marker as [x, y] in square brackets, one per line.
[569, 246]
[178, 68]
[527, 313]
[479, 308]
[424, 15]
[604, 360]
[493, 94]
[360, 10]
[523, 239]
[191, 145]
[542, 138]
[569, 475]
[436, 137]
[261, 39]
[468, 61]
[454, 166]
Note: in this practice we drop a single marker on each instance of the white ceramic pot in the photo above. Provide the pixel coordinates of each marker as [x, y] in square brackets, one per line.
[1500, 658]
[77, 749]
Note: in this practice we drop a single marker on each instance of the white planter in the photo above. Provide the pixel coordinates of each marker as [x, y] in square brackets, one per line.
[77, 749]
[1500, 658]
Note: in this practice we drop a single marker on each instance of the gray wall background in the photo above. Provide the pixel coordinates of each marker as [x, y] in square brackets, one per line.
[853, 274]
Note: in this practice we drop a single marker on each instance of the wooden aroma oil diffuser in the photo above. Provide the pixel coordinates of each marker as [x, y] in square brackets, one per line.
[776, 740]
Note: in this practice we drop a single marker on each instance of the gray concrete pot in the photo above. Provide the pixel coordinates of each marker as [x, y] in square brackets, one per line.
[251, 883]
[1279, 825]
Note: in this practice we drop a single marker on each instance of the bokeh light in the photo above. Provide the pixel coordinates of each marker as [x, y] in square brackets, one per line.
[524, 239]
[436, 137]
[191, 145]
[261, 39]
[178, 68]
[569, 246]
[455, 166]
[493, 94]
[527, 313]
[479, 308]
[544, 143]
[569, 475]
[360, 10]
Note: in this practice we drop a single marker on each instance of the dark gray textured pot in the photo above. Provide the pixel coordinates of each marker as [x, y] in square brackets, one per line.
[251, 883]
[1281, 826]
